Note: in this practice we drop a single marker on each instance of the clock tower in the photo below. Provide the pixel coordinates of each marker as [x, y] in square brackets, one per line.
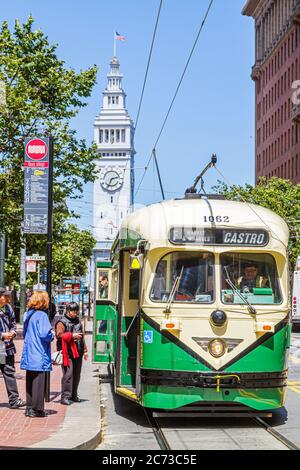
[113, 189]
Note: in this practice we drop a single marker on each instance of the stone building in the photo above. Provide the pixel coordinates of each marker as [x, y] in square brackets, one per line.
[276, 73]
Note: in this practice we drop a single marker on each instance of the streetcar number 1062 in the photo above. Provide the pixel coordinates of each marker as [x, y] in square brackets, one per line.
[217, 218]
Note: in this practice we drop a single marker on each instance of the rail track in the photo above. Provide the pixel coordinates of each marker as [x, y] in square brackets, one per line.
[188, 436]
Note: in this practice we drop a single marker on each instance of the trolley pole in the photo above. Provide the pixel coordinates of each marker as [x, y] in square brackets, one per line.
[49, 247]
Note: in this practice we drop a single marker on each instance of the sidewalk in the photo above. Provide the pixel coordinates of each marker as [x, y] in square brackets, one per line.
[66, 427]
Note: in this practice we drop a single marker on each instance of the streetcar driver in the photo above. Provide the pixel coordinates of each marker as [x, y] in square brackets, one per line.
[251, 278]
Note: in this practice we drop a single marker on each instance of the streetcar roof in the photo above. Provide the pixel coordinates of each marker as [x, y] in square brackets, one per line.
[153, 223]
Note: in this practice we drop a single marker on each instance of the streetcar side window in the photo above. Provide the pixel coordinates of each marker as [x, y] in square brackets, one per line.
[189, 275]
[251, 276]
[134, 283]
[102, 288]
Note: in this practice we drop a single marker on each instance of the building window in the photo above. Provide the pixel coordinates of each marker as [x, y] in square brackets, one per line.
[118, 135]
[100, 136]
[111, 199]
[109, 100]
[123, 135]
[112, 136]
[106, 135]
[117, 100]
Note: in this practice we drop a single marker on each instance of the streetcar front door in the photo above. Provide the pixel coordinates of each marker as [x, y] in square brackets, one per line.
[104, 317]
[128, 323]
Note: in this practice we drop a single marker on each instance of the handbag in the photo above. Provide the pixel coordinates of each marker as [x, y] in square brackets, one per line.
[57, 358]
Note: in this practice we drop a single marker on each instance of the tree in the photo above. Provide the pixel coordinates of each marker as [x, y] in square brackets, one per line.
[279, 195]
[39, 96]
[71, 253]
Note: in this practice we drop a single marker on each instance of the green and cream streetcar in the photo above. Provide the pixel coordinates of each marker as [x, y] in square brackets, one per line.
[195, 308]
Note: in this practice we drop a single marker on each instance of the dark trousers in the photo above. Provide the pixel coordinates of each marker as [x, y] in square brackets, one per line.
[35, 390]
[71, 377]
[8, 371]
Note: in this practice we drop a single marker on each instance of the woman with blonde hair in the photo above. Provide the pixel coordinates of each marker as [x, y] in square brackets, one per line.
[36, 356]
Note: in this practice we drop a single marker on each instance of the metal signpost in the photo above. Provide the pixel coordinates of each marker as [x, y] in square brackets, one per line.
[35, 260]
[38, 201]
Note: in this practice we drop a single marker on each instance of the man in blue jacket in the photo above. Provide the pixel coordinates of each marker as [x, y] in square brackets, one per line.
[8, 330]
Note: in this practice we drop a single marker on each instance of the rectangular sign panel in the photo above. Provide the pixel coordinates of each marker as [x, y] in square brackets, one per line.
[218, 236]
[36, 185]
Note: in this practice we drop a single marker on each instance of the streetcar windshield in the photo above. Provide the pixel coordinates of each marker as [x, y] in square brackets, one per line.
[253, 275]
[196, 271]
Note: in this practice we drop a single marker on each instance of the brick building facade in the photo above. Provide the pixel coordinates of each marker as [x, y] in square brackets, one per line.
[276, 72]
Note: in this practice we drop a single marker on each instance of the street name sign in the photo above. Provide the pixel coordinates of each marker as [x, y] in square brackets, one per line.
[35, 258]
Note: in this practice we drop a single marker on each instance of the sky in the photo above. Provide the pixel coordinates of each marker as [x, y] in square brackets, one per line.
[214, 110]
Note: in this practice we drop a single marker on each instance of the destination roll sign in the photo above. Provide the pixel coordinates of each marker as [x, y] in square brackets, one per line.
[218, 236]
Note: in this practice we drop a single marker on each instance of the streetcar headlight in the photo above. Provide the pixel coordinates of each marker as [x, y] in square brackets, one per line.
[217, 347]
[218, 318]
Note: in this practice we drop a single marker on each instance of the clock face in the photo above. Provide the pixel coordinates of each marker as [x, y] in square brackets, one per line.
[111, 178]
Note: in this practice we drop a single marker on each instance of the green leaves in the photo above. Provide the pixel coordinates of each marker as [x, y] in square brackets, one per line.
[41, 96]
[281, 196]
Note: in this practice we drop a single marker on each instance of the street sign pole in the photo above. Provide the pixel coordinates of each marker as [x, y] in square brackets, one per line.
[39, 275]
[22, 277]
[2, 259]
[49, 247]
[50, 224]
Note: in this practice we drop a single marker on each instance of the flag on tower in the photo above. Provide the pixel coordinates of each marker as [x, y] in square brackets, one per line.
[119, 37]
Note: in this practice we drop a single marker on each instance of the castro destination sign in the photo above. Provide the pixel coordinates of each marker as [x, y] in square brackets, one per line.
[218, 236]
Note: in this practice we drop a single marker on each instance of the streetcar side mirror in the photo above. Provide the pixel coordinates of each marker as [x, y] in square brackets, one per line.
[136, 262]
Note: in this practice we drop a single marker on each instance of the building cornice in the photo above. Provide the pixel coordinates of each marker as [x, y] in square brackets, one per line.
[251, 7]
[256, 69]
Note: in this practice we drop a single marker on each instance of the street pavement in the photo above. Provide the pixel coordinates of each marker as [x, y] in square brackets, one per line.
[66, 427]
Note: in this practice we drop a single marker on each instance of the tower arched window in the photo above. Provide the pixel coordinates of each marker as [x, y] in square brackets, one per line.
[113, 100]
[100, 136]
[118, 135]
[112, 136]
[123, 135]
[106, 135]
[117, 100]
[109, 100]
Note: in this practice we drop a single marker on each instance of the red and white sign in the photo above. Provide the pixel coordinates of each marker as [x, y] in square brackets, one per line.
[36, 149]
[35, 152]
[31, 266]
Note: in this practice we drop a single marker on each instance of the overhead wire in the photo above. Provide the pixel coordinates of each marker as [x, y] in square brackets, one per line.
[145, 78]
[176, 93]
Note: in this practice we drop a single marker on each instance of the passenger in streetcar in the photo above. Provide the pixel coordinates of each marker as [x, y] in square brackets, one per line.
[103, 287]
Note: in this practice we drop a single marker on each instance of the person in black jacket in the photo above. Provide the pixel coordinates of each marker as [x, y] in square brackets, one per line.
[8, 330]
[70, 339]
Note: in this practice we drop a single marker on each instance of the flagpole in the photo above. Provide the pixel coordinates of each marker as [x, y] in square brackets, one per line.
[115, 45]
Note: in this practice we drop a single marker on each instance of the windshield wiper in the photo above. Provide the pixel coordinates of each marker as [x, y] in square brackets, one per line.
[233, 287]
[173, 292]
